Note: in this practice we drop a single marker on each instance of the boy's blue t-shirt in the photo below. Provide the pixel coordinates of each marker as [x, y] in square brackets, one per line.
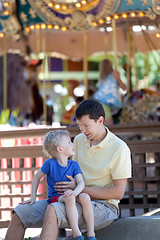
[57, 173]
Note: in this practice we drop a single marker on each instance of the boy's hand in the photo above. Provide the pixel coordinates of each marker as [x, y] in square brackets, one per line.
[69, 192]
[61, 187]
[31, 201]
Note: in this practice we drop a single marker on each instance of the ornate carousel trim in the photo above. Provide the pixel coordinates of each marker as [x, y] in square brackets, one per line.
[156, 6]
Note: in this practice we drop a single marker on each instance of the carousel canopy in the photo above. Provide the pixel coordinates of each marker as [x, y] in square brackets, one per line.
[22, 19]
[25, 15]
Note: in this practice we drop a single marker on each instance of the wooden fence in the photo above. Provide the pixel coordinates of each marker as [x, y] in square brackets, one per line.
[20, 162]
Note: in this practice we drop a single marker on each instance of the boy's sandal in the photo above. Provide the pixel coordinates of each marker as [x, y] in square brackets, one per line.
[91, 238]
[79, 238]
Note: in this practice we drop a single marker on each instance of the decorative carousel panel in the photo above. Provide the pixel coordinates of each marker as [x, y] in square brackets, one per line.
[18, 16]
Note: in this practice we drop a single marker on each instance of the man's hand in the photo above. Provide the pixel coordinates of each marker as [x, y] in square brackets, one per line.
[61, 187]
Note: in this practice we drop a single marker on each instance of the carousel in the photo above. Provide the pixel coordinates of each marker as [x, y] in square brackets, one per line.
[34, 32]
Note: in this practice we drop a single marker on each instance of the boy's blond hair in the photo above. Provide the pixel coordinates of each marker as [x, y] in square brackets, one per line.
[52, 141]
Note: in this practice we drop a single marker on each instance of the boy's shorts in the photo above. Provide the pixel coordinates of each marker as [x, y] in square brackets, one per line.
[33, 215]
[53, 199]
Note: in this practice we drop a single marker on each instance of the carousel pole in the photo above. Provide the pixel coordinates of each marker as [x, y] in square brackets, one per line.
[105, 43]
[115, 50]
[45, 69]
[134, 59]
[5, 73]
[85, 62]
[115, 44]
[38, 48]
[65, 82]
[38, 45]
[129, 60]
[159, 51]
[159, 38]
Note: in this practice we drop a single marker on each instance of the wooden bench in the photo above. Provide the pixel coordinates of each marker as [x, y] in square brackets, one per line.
[143, 190]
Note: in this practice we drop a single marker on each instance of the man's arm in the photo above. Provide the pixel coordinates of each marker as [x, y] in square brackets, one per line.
[104, 193]
[61, 187]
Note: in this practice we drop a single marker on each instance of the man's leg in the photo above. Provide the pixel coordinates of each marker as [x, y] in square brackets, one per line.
[50, 225]
[16, 229]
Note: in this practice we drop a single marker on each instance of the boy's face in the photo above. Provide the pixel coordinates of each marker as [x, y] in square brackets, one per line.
[90, 127]
[67, 146]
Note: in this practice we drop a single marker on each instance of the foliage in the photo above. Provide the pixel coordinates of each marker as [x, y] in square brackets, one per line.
[147, 66]
[15, 112]
[4, 116]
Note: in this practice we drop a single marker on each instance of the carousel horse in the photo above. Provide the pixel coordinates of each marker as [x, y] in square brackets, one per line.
[22, 87]
[141, 106]
[30, 78]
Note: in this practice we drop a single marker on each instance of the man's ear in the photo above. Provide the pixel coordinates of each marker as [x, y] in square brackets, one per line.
[59, 149]
[101, 119]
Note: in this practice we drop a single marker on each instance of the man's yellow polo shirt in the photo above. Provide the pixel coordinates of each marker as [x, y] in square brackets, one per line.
[104, 162]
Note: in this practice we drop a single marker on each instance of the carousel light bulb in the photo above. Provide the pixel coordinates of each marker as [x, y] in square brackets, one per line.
[32, 27]
[116, 16]
[108, 18]
[133, 14]
[50, 5]
[94, 24]
[6, 13]
[49, 26]
[1, 35]
[63, 28]
[64, 7]
[78, 5]
[141, 14]
[37, 26]
[101, 21]
[158, 35]
[5, 4]
[109, 29]
[84, 2]
[124, 15]
[57, 6]
[27, 29]
[43, 26]
[56, 27]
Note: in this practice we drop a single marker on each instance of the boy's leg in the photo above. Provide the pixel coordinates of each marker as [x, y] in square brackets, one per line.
[16, 229]
[50, 225]
[72, 213]
[85, 201]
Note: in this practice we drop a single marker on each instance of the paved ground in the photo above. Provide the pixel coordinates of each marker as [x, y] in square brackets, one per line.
[30, 232]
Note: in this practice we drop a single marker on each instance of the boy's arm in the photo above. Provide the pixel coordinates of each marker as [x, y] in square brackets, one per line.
[79, 186]
[35, 183]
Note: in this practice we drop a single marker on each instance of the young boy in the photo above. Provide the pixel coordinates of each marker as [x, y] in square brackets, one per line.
[58, 146]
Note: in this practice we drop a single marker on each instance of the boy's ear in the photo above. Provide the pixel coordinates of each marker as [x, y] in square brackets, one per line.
[59, 149]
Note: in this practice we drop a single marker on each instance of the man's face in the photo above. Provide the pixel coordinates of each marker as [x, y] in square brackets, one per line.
[90, 127]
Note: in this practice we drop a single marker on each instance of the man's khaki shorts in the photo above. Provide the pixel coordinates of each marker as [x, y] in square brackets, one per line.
[33, 215]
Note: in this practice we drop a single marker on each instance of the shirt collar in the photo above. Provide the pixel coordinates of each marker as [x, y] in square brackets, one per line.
[102, 144]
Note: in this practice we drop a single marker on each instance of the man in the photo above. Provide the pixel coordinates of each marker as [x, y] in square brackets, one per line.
[106, 165]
